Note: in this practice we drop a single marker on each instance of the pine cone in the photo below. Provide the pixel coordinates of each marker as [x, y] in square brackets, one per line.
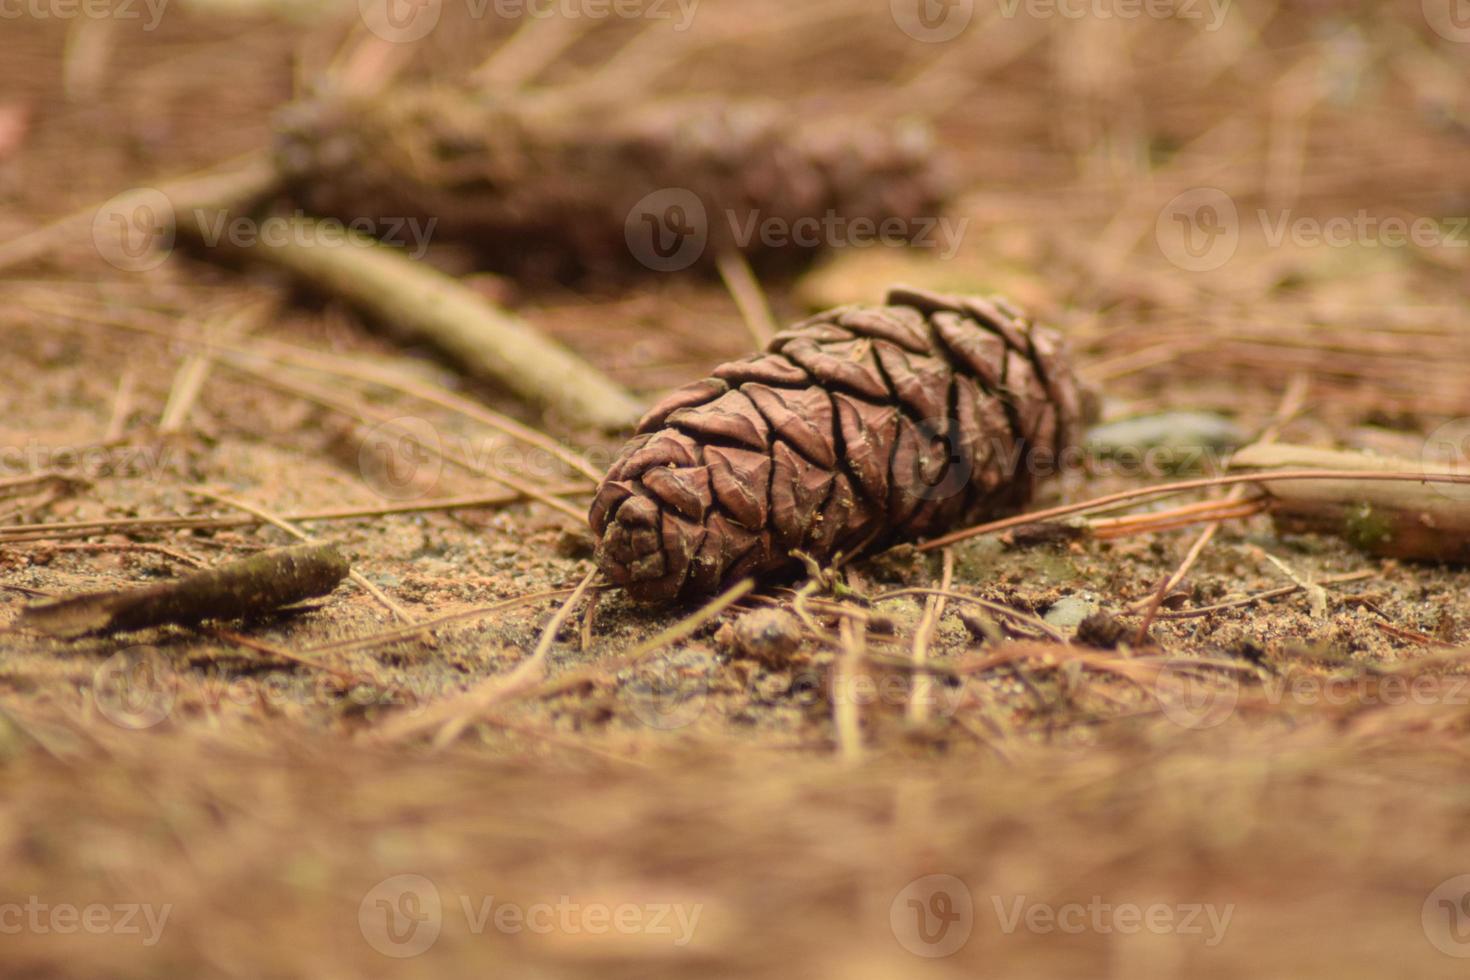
[857, 428]
[535, 180]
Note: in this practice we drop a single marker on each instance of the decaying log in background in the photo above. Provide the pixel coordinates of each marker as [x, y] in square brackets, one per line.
[1429, 521]
[548, 180]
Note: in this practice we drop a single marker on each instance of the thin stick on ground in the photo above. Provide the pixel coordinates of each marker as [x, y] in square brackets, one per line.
[122, 406]
[1151, 607]
[845, 715]
[290, 656]
[535, 45]
[276, 521]
[383, 377]
[408, 632]
[683, 629]
[190, 379]
[278, 352]
[448, 718]
[746, 291]
[1291, 404]
[1256, 597]
[919, 702]
[224, 186]
[423, 303]
[24, 533]
[1204, 483]
[370, 418]
[1025, 619]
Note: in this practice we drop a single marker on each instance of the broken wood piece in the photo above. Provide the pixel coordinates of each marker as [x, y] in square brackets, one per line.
[254, 585]
[417, 300]
[1427, 521]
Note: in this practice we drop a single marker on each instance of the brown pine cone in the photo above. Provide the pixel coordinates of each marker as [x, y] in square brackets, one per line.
[857, 428]
[540, 183]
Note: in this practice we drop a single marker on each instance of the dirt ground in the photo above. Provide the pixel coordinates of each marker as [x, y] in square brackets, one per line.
[1270, 789]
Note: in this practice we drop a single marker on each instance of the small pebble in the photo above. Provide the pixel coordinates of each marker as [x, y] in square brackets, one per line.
[1070, 611]
[768, 635]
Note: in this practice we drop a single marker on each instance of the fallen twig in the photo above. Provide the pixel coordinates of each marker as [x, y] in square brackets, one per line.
[1417, 475]
[421, 301]
[1422, 520]
[257, 584]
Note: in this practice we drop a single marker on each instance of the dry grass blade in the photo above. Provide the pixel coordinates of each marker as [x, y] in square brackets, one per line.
[846, 715]
[1000, 609]
[275, 352]
[919, 703]
[682, 629]
[22, 533]
[423, 303]
[431, 394]
[746, 291]
[1125, 496]
[448, 719]
[409, 632]
[373, 418]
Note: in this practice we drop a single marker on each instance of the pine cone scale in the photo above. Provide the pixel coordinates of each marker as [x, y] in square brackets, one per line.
[855, 428]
